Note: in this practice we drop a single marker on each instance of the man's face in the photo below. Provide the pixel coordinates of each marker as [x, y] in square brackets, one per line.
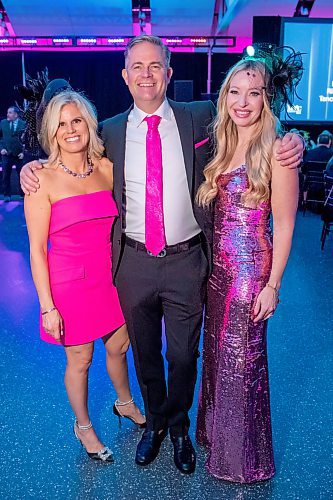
[11, 114]
[147, 76]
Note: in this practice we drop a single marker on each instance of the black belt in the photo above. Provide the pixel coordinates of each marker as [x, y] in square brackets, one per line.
[184, 246]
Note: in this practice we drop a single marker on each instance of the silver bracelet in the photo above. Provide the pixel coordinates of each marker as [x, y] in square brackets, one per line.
[276, 292]
[49, 310]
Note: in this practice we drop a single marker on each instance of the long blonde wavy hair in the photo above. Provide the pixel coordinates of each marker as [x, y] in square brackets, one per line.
[51, 119]
[259, 151]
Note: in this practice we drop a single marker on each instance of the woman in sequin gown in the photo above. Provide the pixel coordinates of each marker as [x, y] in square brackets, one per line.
[234, 420]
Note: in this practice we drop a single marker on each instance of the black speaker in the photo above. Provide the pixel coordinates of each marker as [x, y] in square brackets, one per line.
[183, 90]
[267, 30]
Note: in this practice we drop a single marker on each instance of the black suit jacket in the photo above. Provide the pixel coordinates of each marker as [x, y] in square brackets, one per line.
[193, 121]
[329, 167]
[319, 153]
[12, 141]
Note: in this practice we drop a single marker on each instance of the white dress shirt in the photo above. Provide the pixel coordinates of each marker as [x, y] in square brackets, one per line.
[179, 222]
[13, 125]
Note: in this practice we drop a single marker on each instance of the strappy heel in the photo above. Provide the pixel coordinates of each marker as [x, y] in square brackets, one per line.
[118, 404]
[104, 455]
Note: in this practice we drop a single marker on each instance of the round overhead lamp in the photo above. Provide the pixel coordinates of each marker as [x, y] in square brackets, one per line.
[250, 50]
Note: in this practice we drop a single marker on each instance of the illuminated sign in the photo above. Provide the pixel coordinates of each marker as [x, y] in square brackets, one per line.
[109, 42]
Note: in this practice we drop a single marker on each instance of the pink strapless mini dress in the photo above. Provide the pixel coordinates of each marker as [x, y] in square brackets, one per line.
[80, 267]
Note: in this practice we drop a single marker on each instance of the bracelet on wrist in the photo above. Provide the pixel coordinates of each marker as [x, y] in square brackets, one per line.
[49, 310]
[275, 287]
[276, 292]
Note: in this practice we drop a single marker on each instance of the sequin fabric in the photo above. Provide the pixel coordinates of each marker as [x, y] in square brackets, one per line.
[234, 411]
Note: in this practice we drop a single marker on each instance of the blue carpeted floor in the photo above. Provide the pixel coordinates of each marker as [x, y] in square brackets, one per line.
[39, 456]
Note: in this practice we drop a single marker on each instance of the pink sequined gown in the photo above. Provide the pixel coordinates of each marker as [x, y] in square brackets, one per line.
[234, 412]
[79, 261]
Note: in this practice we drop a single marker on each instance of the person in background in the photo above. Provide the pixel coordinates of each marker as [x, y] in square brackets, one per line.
[329, 167]
[322, 152]
[308, 142]
[246, 183]
[11, 148]
[74, 211]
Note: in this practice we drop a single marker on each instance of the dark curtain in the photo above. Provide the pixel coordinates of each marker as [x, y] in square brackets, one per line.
[98, 74]
[11, 75]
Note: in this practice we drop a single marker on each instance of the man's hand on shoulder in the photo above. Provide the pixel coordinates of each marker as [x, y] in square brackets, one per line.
[290, 153]
[28, 180]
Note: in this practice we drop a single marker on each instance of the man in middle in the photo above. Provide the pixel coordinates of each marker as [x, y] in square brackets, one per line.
[161, 242]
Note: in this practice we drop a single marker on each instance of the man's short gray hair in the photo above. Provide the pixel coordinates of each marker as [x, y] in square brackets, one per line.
[155, 40]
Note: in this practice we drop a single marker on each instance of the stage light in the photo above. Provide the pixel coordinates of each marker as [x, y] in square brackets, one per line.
[198, 40]
[173, 40]
[178, 43]
[87, 40]
[61, 40]
[116, 40]
[258, 50]
[250, 50]
[303, 8]
[31, 41]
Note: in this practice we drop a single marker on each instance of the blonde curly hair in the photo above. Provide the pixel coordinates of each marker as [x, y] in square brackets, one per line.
[260, 148]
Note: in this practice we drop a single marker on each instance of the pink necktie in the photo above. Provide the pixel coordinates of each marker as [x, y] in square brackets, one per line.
[155, 235]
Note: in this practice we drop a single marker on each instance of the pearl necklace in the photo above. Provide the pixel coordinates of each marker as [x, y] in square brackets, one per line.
[75, 174]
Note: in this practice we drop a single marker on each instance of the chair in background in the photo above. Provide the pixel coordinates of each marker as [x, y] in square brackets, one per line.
[313, 190]
[327, 215]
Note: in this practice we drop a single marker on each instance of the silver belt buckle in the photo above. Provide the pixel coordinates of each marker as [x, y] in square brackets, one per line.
[159, 255]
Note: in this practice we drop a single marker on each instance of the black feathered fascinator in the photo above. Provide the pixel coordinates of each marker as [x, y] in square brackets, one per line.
[38, 92]
[285, 66]
[32, 92]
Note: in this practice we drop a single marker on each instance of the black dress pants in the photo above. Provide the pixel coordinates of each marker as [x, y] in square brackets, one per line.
[7, 164]
[172, 287]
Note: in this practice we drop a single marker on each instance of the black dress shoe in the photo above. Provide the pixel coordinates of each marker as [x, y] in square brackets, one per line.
[184, 454]
[149, 446]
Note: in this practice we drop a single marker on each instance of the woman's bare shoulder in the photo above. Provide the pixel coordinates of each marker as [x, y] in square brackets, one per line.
[46, 178]
[276, 145]
[49, 171]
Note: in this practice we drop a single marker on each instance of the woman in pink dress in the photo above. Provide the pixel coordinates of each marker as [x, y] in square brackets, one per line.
[73, 212]
[246, 184]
